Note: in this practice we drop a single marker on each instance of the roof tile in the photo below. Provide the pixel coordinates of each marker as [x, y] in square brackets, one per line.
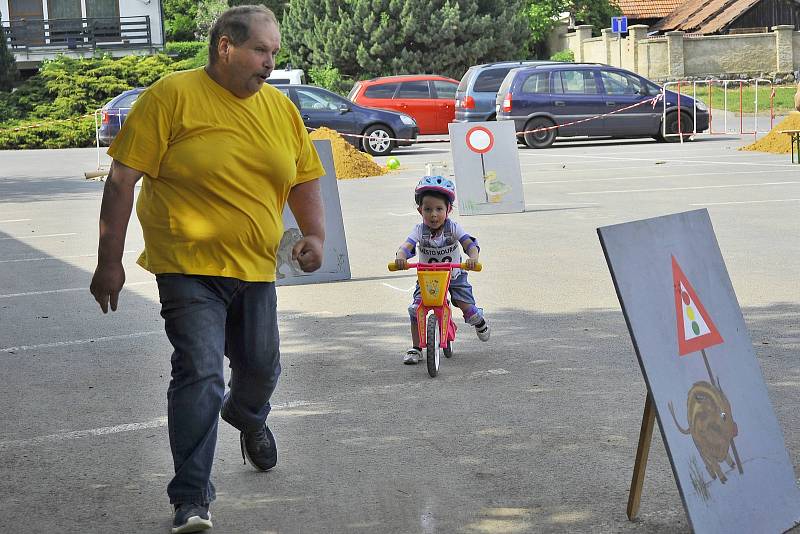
[704, 16]
[648, 9]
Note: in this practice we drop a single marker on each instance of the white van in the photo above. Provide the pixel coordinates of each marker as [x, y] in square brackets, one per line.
[288, 75]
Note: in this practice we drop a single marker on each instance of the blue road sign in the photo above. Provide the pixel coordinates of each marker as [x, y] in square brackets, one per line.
[619, 24]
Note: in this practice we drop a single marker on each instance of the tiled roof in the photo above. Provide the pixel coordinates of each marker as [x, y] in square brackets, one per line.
[648, 9]
[704, 16]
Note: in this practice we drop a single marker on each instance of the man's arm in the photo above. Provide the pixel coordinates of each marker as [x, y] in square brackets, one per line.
[305, 201]
[115, 212]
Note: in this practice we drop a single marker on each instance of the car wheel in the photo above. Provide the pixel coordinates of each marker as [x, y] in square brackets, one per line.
[687, 126]
[543, 138]
[378, 140]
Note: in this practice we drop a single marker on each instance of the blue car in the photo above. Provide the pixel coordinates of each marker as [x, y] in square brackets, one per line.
[561, 96]
[381, 128]
[114, 113]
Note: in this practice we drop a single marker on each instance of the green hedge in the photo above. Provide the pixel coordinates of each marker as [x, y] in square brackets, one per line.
[68, 88]
[63, 134]
[185, 49]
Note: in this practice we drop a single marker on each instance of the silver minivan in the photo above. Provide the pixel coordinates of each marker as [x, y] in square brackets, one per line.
[475, 96]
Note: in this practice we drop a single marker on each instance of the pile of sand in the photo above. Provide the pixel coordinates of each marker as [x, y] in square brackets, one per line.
[348, 160]
[776, 142]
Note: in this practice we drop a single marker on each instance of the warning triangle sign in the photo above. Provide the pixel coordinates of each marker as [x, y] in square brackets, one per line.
[696, 330]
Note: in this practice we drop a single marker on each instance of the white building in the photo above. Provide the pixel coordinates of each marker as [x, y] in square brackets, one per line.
[41, 29]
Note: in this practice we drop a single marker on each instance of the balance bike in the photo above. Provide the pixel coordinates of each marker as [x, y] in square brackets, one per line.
[434, 336]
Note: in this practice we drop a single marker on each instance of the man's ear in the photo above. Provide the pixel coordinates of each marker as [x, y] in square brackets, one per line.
[449, 208]
[419, 210]
[224, 47]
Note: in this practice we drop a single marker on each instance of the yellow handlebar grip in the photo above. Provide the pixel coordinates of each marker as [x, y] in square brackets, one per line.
[392, 266]
[478, 267]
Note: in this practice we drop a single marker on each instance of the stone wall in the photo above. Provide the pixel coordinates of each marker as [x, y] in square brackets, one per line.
[677, 56]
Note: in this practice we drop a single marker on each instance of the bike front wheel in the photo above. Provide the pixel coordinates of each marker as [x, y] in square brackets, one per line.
[433, 349]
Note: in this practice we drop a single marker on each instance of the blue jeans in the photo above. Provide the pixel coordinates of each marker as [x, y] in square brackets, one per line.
[207, 318]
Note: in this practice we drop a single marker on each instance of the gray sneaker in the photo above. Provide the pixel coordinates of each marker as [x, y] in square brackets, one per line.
[482, 329]
[191, 517]
[412, 356]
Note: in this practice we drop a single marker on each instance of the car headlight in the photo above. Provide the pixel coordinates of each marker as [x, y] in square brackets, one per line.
[700, 105]
[408, 121]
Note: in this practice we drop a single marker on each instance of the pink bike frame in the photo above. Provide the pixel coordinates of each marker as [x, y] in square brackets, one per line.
[444, 313]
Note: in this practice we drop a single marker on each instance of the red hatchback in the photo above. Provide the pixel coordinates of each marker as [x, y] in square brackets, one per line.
[428, 98]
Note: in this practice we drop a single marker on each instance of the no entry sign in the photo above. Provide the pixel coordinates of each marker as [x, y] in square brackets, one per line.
[480, 140]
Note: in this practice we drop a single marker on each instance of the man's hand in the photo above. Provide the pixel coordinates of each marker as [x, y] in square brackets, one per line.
[471, 263]
[106, 284]
[401, 263]
[308, 253]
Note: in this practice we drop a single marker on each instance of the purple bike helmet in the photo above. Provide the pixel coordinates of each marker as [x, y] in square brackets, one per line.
[437, 184]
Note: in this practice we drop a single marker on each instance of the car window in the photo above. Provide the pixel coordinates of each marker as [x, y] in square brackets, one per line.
[489, 80]
[617, 83]
[652, 89]
[445, 89]
[575, 82]
[538, 82]
[414, 90]
[507, 81]
[353, 91]
[382, 90]
[310, 99]
[127, 101]
[462, 85]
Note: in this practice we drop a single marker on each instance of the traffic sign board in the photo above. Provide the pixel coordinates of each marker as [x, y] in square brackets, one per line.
[696, 330]
[619, 24]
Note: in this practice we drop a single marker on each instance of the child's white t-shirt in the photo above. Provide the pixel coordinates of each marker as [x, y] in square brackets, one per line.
[444, 246]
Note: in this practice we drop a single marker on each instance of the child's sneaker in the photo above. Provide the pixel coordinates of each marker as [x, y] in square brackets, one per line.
[412, 356]
[482, 329]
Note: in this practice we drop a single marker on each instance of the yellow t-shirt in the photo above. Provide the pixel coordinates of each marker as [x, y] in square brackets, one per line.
[217, 173]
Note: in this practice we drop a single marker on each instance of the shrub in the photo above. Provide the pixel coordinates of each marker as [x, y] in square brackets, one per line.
[8, 66]
[54, 134]
[564, 55]
[327, 77]
[61, 98]
[185, 49]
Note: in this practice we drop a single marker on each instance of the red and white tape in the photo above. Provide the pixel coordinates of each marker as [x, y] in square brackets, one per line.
[652, 101]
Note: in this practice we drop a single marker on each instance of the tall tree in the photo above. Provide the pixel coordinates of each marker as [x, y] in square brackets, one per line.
[366, 38]
[543, 14]
[179, 22]
[8, 66]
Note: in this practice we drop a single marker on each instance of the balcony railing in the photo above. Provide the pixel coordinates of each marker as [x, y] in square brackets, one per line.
[77, 34]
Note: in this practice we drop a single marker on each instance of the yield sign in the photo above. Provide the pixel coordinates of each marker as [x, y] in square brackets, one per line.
[696, 330]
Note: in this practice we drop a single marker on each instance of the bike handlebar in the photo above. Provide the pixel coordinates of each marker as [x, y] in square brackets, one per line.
[435, 266]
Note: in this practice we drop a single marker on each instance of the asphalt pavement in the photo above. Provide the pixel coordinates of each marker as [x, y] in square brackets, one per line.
[533, 431]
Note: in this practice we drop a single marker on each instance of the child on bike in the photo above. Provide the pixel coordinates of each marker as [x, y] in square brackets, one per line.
[438, 239]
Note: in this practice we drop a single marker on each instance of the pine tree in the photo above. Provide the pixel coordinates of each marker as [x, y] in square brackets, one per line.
[8, 65]
[367, 38]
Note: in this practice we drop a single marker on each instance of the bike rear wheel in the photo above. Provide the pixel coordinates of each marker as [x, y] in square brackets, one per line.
[433, 349]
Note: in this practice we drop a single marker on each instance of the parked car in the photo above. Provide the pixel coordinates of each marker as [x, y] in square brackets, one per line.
[560, 94]
[430, 99]
[320, 107]
[287, 75]
[477, 90]
[114, 113]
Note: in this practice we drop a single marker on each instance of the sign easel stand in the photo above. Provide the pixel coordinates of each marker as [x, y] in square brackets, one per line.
[642, 452]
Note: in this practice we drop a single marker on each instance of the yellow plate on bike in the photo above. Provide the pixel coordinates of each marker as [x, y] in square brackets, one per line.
[433, 286]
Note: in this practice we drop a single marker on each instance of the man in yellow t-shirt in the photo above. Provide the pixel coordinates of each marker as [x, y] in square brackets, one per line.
[221, 153]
